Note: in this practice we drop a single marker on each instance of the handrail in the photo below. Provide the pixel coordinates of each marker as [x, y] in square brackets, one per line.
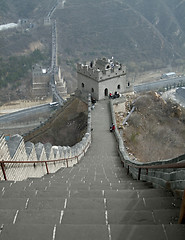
[2, 162]
[182, 210]
[161, 166]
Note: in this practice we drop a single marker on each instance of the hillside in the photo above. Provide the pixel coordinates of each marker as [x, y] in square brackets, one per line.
[12, 10]
[143, 35]
[155, 130]
[66, 128]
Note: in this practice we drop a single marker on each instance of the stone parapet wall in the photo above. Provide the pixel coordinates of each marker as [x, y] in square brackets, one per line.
[45, 157]
[99, 75]
[170, 178]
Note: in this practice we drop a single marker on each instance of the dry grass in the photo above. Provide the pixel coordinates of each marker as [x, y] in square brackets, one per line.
[155, 130]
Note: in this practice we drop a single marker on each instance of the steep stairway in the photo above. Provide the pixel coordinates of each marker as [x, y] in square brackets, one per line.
[94, 200]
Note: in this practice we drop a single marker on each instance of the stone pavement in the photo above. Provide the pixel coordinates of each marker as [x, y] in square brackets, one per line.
[95, 200]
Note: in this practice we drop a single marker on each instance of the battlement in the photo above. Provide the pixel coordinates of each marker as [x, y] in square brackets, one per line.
[101, 69]
[38, 70]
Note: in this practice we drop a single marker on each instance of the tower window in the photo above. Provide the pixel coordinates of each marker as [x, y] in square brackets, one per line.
[118, 87]
[128, 84]
[92, 90]
[82, 85]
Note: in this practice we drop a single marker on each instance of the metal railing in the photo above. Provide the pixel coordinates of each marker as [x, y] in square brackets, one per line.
[181, 219]
[34, 162]
[160, 166]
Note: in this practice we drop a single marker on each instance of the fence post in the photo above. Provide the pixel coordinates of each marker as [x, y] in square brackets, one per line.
[3, 170]
[139, 174]
[46, 167]
[182, 210]
[128, 170]
[122, 162]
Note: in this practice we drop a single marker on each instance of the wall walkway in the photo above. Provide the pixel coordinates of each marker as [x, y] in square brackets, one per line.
[95, 199]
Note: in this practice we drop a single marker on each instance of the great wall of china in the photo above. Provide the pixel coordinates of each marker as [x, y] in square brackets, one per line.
[20, 160]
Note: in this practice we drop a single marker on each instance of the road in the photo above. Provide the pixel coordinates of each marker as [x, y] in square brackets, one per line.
[25, 113]
[160, 84]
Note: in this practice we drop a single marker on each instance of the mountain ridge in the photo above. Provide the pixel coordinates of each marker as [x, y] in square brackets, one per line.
[142, 34]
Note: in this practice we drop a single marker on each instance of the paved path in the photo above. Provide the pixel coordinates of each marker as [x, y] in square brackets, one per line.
[95, 200]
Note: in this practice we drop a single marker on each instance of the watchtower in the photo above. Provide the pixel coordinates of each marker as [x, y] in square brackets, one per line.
[40, 80]
[101, 77]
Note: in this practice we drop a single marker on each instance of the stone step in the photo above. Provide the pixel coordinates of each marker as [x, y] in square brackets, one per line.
[38, 203]
[175, 231]
[148, 196]
[92, 179]
[82, 232]
[35, 179]
[166, 216]
[91, 232]
[32, 203]
[75, 193]
[39, 210]
[7, 216]
[141, 217]
[162, 203]
[16, 186]
[123, 193]
[13, 203]
[143, 203]
[85, 216]
[145, 232]
[86, 203]
[154, 193]
[10, 193]
[43, 216]
[53, 193]
[119, 232]
[27, 232]
[125, 204]
[64, 190]
[146, 193]
[5, 184]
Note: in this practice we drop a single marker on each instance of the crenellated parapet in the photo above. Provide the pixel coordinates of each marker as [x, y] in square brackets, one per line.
[20, 160]
[101, 69]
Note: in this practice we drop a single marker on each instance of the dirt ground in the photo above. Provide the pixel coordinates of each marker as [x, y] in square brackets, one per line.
[155, 130]
[66, 128]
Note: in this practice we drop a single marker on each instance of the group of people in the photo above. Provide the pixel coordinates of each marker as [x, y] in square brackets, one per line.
[93, 101]
[115, 95]
[112, 128]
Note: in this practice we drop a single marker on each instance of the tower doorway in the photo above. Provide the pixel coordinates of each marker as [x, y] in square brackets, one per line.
[106, 92]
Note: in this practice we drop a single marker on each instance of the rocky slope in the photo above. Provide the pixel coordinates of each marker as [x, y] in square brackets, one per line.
[155, 130]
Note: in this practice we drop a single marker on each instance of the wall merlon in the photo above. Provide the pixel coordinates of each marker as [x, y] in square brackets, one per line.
[101, 70]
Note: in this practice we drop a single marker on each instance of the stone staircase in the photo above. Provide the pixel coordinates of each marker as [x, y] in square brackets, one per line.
[94, 200]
